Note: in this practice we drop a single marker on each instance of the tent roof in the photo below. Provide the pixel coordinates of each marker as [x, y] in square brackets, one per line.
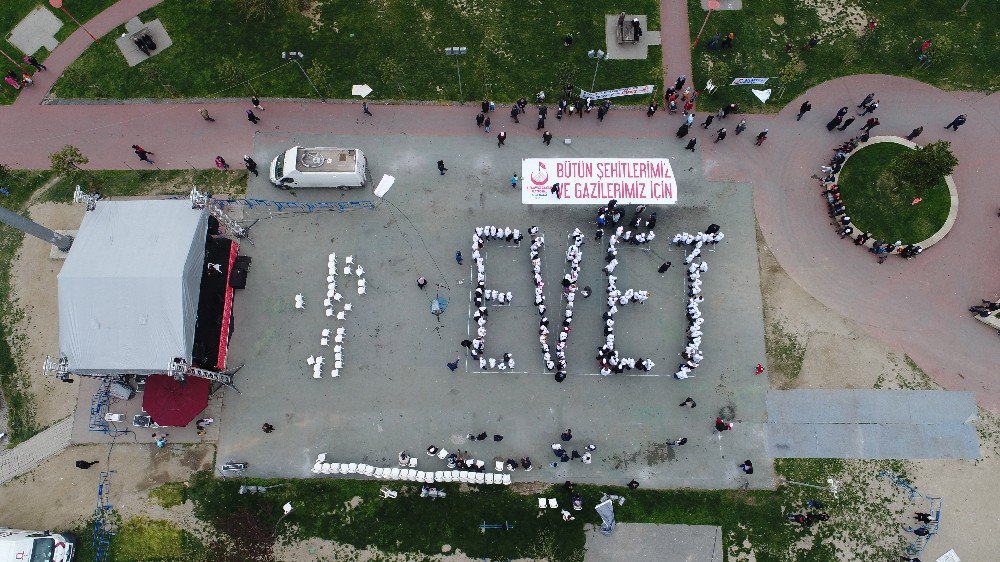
[128, 292]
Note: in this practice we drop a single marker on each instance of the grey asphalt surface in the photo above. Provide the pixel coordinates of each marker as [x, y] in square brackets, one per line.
[395, 391]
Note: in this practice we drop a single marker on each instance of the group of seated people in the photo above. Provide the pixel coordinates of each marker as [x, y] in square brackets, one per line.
[608, 357]
[692, 351]
[985, 309]
[838, 212]
[481, 294]
[462, 461]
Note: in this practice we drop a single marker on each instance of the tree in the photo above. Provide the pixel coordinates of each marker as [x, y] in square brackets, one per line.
[922, 168]
[67, 161]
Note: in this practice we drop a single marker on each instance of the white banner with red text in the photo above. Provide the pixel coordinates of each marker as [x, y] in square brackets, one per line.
[594, 181]
[617, 93]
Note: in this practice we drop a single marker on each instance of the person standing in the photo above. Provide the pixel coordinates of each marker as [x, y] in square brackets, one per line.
[84, 465]
[688, 402]
[142, 153]
[421, 282]
[250, 164]
[868, 99]
[547, 138]
[479, 120]
[682, 131]
[458, 257]
[221, 163]
[915, 133]
[34, 62]
[870, 124]
[803, 109]
[747, 467]
[847, 123]
[633, 484]
[267, 428]
[869, 108]
[664, 267]
[251, 117]
[691, 144]
[515, 110]
[566, 435]
[720, 135]
[842, 111]
[365, 110]
[441, 167]
[513, 181]
[487, 124]
[204, 115]
[832, 124]
[256, 103]
[708, 121]
[501, 136]
[454, 364]
[761, 137]
[652, 109]
[956, 122]
[741, 126]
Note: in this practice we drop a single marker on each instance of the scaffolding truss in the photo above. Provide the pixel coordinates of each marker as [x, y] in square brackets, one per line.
[99, 403]
[104, 523]
[931, 504]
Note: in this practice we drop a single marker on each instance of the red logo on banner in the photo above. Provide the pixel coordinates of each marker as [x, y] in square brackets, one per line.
[540, 177]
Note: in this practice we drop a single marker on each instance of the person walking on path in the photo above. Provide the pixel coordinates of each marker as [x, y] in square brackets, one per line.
[652, 109]
[663, 267]
[708, 121]
[870, 124]
[721, 425]
[720, 135]
[803, 109]
[501, 136]
[252, 118]
[513, 181]
[681, 441]
[479, 120]
[454, 364]
[487, 124]
[691, 144]
[847, 123]
[84, 465]
[250, 164]
[682, 131]
[842, 111]
[566, 435]
[956, 122]
[160, 439]
[515, 110]
[365, 110]
[421, 282]
[142, 153]
[837, 119]
[441, 167]
[915, 133]
[869, 108]
[761, 137]
[221, 163]
[267, 428]
[868, 99]
[747, 467]
[458, 257]
[204, 115]
[256, 103]
[547, 138]
[34, 62]
[688, 402]
[633, 484]
[741, 126]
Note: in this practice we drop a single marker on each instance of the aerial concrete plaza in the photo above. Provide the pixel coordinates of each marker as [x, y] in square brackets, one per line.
[395, 392]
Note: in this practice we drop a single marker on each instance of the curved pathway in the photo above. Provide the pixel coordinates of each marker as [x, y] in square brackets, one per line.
[918, 307]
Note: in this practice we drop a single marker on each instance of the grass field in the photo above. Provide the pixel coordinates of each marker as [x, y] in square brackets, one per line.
[13, 11]
[887, 214]
[964, 49]
[395, 46]
[352, 512]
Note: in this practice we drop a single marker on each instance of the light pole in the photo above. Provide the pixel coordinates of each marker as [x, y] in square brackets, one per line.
[599, 55]
[456, 52]
[59, 4]
[296, 56]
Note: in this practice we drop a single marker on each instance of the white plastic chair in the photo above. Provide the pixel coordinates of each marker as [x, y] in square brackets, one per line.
[379, 473]
[317, 374]
[710, 87]
[329, 312]
[337, 348]
[394, 473]
[369, 470]
[413, 462]
[411, 475]
[325, 342]
[463, 476]
[541, 503]
[334, 373]
[327, 302]
[489, 478]
[311, 360]
[331, 285]
[362, 282]
[419, 477]
[335, 468]
[429, 478]
[341, 315]
[349, 259]
[347, 306]
[347, 270]
[343, 468]
[506, 480]
[388, 494]
[442, 454]
[362, 468]
[498, 466]
[361, 290]
[456, 475]
[481, 464]
[338, 297]
[338, 364]
[325, 333]
[480, 478]
[339, 338]
[359, 271]
[330, 278]
[553, 504]
[352, 468]
[330, 292]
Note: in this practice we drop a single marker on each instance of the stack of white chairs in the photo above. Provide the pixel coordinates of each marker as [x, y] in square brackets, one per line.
[321, 466]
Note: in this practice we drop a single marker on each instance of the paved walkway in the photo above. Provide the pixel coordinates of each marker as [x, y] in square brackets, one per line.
[917, 307]
[28, 455]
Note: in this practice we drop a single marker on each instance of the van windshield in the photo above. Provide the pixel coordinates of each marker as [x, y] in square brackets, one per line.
[279, 166]
[43, 550]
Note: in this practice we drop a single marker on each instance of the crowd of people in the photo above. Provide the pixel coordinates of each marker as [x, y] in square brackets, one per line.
[477, 346]
[692, 351]
[608, 358]
[985, 309]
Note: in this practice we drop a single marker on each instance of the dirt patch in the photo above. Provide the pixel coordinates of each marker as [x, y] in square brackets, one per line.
[779, 20]
[62, 496]
[34, 288]
[529, 488]
[838, 17]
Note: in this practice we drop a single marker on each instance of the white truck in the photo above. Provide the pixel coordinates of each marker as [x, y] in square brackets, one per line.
[35, 546]
[343, 168]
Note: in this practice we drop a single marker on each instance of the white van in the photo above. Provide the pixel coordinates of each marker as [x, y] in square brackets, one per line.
[343, 168]
[35, 546]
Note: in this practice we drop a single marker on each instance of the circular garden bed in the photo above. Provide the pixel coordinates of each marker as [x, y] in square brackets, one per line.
[884, 210]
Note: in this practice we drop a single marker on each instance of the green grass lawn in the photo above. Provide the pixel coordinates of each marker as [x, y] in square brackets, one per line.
[889, 215]
[965, 53]
[353, 512]
[13, 11]
[395, 46]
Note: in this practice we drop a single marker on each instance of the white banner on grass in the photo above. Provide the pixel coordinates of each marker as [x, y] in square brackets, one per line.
[744, 81]
[606, 94]
[594, 181]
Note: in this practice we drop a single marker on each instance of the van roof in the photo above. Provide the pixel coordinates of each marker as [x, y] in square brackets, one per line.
[326, 159]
